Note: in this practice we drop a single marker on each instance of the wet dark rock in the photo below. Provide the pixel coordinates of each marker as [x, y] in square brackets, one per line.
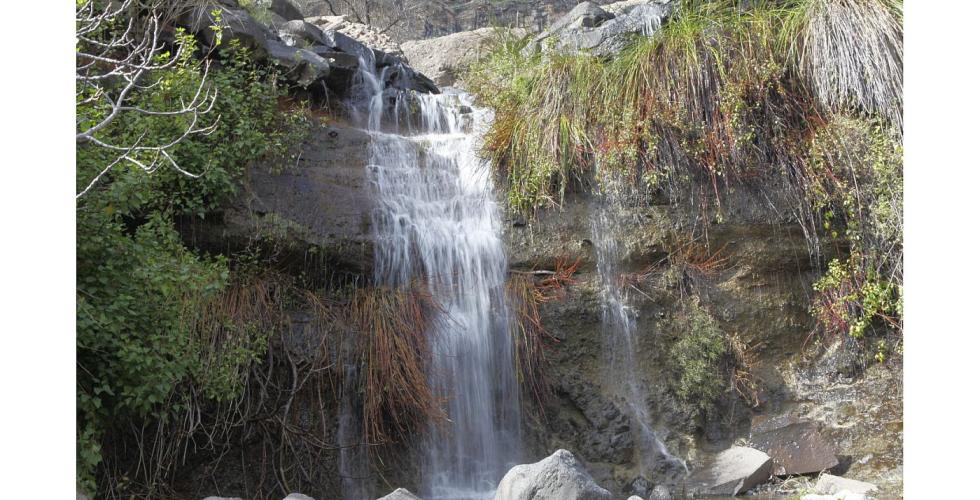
[288, 9]
[338, 60]
[796, 447]
[317, 205]
[598, 423]
[733, 471]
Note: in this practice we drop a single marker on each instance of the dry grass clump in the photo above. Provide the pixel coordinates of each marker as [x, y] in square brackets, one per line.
[391, 325]
[851, 53]
[743, 379]
[526, 292]
[721, 93]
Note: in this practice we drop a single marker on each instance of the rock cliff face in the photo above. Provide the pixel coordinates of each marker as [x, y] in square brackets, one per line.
[319, 206]
[760, 292]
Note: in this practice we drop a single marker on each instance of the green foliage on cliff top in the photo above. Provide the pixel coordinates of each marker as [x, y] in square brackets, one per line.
[804, 93]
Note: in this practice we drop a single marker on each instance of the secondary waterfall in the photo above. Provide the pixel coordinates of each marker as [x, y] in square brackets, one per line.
[436, 222]
[619, 321]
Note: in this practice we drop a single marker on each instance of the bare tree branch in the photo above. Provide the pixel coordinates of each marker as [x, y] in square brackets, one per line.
[107, 58]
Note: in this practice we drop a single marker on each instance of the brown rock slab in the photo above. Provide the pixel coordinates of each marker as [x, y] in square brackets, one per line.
[796, 447]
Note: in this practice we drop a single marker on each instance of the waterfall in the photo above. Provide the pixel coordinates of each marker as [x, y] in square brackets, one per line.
[436, 221]
[619, 321]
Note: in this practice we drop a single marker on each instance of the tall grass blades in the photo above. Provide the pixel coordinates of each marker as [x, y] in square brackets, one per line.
[851, 54]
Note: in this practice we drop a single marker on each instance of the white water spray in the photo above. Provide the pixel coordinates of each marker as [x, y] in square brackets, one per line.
[437, 222]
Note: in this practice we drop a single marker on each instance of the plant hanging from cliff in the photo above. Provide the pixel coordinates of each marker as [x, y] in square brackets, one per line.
[851, 53]
[856, 167]
[526, 293]
[392, 327]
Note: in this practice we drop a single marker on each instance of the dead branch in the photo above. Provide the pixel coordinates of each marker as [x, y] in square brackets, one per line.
[107, 58]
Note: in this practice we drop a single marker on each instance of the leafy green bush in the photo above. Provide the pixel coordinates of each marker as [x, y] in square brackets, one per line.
[856, 165]
[699, 360]
[140, 291]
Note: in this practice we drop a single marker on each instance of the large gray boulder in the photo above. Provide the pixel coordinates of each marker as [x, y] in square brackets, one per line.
[363, 33]
[445, 58]
[623, 6]
[733, 471]
[559, 476]
[796, 447]
[400, 494]
[302, 66]
[315, 54]
[583, 15]
[235, 24]
[586, 29]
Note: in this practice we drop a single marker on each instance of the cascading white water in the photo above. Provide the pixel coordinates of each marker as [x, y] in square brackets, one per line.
[436, 221]
[619, 323]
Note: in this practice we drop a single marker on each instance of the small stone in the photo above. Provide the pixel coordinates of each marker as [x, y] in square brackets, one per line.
[660, 492]
[400, 494]
[829, 484]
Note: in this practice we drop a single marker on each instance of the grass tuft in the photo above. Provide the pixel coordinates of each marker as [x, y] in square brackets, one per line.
[851, 54]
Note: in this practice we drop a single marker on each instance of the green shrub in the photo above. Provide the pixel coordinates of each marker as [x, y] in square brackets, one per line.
[140, 290]
[857, 165]
[699, 357]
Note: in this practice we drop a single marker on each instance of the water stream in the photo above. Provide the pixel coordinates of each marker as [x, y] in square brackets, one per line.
[610, 212]
[436, 222]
